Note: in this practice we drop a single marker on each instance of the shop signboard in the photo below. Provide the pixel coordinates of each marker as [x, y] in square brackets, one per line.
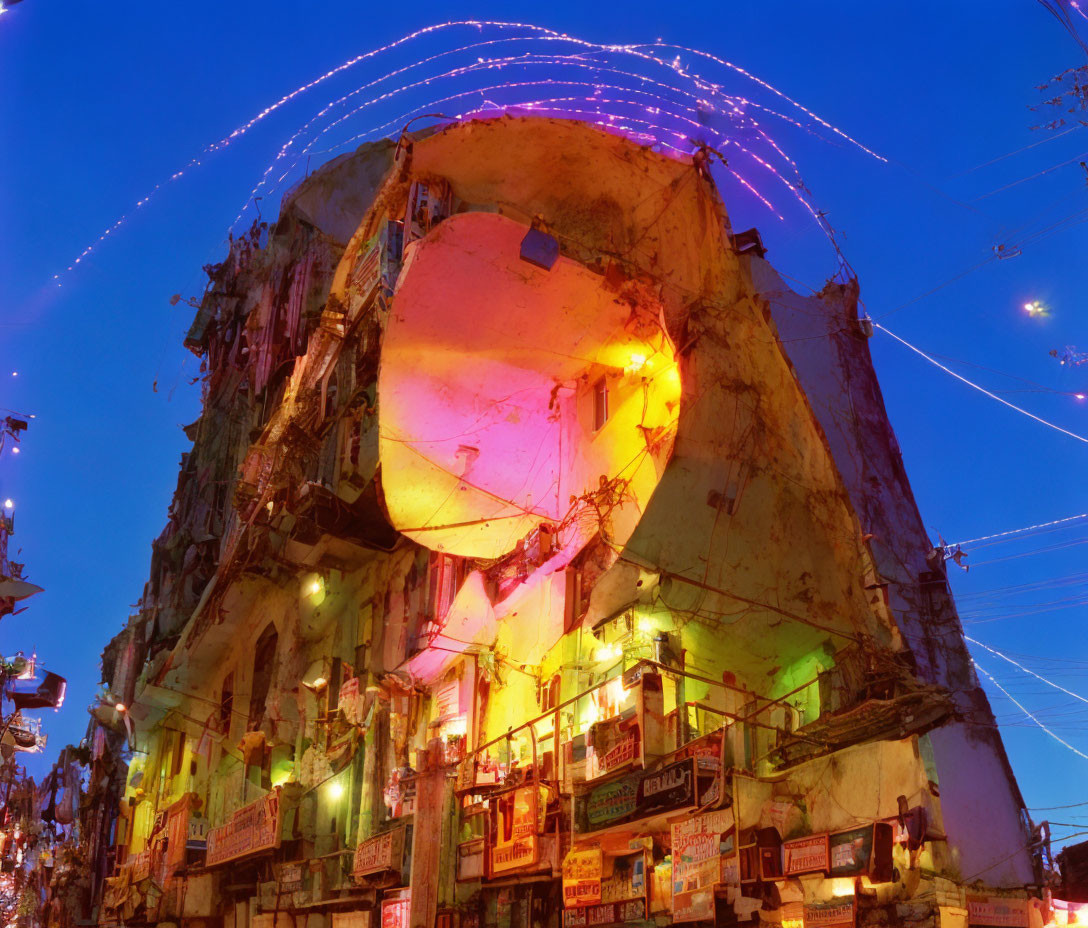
[850, 851]
[251, 829]
[617, 743]
[516, 844]
[636, 796]
[197, 833]
[380, 853]
[608, 913]
[696, 864]
[396, 911]
[997, 911]
[291, 878]
[582, 872]
[867, 849]
[447, 700]
[839, 914]
[627, 879]
[805, 855]
[471, 857]
[707, 749]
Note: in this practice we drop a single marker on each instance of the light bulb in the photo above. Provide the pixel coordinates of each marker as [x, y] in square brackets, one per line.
[336, 790]
[9, 504]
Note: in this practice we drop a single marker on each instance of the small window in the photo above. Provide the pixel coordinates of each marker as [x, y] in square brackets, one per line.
[600, 404]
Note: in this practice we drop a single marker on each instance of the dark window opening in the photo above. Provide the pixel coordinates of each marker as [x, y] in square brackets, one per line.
[600, 404]
[226, 703]
[263, 660]
[178, 754]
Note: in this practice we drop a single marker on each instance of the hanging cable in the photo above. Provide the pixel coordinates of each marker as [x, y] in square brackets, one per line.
[1020, 531]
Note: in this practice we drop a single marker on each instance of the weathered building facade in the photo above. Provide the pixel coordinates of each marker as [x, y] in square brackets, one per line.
[542, 560]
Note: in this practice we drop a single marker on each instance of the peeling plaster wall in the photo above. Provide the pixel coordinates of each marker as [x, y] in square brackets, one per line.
[821, 336]
[745, 430]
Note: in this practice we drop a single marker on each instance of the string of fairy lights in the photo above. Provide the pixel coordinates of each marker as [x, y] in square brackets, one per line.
[645, 91]
[679, 100]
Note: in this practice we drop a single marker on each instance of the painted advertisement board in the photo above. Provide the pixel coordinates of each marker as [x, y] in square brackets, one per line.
[696, 864]
[516, 843]
[582, 872]
[251, 829]
[805, 855]
[380, 853]
[636, 796]
[608, 913]
[839, 914]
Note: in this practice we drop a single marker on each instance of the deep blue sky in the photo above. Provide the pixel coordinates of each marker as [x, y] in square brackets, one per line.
[101, 101]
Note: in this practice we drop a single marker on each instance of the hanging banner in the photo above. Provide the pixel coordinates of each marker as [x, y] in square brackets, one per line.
[839, 914]
[253, 828]
[382, 852]
[636, 796]
[582, 872]
[141, 866]
[367, 272]
[516, 843]
[805, 855]
[696, 864]
[177, 834]
[350, 701]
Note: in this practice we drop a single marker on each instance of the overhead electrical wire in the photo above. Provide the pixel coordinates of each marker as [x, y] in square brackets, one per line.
[1020, 666]
[1028, 713]
[940, 286]
[1046, 549]
[981, 389]
[1072, 805]
[1021, 531]
[1049, 138]
[1024, 180]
